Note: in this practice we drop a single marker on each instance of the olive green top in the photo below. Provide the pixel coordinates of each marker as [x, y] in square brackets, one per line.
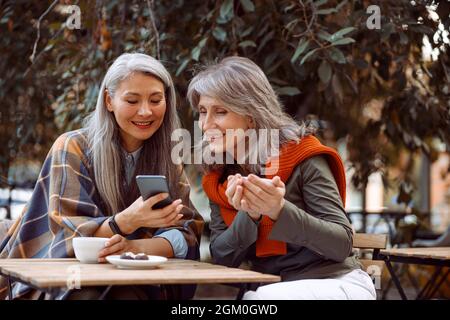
[312, 222]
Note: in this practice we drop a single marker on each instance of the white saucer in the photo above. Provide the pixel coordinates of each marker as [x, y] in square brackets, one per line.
[152, 262]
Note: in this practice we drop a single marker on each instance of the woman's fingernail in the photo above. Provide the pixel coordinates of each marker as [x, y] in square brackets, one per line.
[106, 244]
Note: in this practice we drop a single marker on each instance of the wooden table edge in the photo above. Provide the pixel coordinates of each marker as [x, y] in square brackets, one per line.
[412, 255]
[7, 269]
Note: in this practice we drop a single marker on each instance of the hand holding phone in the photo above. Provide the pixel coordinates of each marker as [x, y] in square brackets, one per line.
[150, 185]
[154, 209]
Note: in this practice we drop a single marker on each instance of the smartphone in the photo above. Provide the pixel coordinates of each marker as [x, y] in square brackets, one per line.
[152, 185]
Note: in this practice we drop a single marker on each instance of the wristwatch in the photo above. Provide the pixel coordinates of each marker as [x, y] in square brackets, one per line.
[115, 227]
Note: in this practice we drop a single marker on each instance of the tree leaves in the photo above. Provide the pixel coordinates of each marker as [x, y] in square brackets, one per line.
[247, 43]
[308, 55]
[337, 55]
[246, 32]
[337, 88]
[266, 39]
[301, 47]
[182, 66]
[319, 3]
[339, 34]
[288, 91]
[248, 5]
[324, 35]
[324, 72]
[343, 41]
[226, 8]
[219, 33]
[195, 53]
[273, 34]
[326, 11]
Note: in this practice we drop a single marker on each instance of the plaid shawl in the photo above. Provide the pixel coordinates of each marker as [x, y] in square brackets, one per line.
[65, 204]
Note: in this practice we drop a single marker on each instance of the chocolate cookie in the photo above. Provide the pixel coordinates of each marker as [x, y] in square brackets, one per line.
[127, 256]
[141, 256]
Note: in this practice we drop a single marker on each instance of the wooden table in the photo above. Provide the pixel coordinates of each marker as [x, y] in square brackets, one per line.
[54, 276]
[438, 256]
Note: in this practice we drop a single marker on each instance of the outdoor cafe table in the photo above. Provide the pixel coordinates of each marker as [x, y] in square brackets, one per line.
[52, 275]
[437, 256]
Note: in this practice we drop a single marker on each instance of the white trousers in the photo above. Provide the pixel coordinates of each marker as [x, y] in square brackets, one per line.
[355, 285]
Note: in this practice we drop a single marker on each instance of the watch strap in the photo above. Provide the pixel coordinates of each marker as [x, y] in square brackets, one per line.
[115, 227]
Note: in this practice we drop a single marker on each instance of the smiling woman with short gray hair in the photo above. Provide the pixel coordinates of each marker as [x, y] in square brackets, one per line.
[290, 222]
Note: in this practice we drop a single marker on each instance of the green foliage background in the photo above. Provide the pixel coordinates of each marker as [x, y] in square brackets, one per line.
[319, 55]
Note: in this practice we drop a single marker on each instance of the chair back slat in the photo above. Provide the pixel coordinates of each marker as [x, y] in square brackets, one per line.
[369, 241]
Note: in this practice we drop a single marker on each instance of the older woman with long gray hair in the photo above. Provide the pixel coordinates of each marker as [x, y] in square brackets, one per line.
[283, 214]
[87, 185]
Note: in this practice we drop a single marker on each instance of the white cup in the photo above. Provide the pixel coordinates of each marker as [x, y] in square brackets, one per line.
[87, 248]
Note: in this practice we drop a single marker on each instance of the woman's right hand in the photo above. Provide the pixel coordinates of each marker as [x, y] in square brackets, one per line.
[140, 214]
[235, 193]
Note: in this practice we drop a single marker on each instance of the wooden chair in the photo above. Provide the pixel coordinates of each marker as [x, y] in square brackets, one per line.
[372, 243]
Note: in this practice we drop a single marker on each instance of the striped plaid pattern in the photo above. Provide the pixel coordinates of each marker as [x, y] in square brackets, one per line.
[65, 204]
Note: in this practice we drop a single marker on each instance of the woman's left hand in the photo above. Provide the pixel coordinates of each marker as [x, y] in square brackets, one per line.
[265, 196]
[115, 245]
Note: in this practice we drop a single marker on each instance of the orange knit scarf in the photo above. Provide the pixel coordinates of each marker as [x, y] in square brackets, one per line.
[291, 155]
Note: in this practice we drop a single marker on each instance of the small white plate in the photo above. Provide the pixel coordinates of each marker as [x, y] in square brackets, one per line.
[152, 262]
